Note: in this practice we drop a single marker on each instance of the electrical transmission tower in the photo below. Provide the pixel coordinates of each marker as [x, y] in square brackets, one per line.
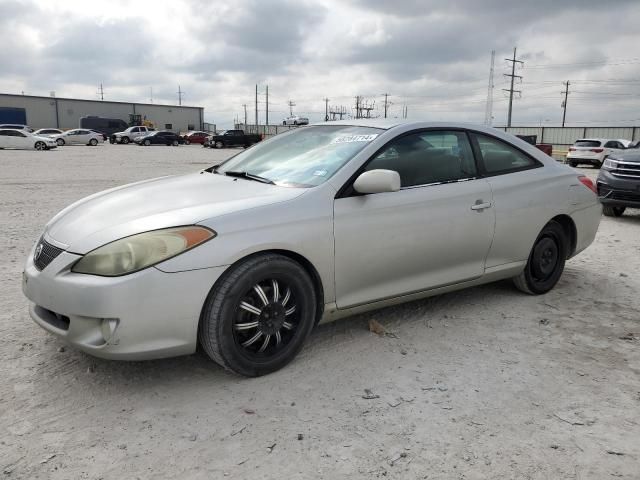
[564, 102]
[363, 108]
[488, 112]
[291, 104]
[513, 76]
[338, 113]
[101, 92]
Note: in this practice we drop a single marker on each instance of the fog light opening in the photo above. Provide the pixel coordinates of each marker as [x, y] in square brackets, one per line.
[108, 327]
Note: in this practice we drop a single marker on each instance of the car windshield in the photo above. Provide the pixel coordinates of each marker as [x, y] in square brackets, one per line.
[587, 143]
[305, 157]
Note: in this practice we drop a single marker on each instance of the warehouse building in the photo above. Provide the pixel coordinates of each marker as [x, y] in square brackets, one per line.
[65, 113]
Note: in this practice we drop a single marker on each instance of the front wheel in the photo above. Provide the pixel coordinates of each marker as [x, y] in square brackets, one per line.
[60, 142]
[546, 261]
[610, 211]
[40, 146]
[258, 315]
[219, 144]
[93, 142]
[147, 143]
[125, 140]
[175, 143]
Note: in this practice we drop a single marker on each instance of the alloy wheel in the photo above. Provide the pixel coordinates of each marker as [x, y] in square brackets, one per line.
[266, 319]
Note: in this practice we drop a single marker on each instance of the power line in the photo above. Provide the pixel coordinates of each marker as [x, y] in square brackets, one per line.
[513, 76]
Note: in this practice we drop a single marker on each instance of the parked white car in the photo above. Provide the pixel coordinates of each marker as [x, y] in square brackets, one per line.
[78, 136]
[130, 134]
[24, 140]
[311, 225]
[594, 151]
[47, 132]
[295, 120]
[16, 126]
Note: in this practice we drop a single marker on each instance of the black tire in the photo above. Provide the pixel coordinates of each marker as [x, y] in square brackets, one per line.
[219, 144]
[573, 164]
[546, 261]
[223, 337]
[147, 143]
[284, 124]
[597, 164]
[93, 142]
[59, 142]
[125, 140]
[611, 211]
[112, 140]
[175, 143]
[187, 142]
[40, 146]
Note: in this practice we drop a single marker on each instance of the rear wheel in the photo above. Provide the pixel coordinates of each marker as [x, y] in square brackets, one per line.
[597, 164]
[573, 164]
[258, 315]
[93, 142]
[611, 211]
[546, 261]
[60, 142]
[40, 146]
[147, 143]
[187, 142]
[219, 144]
[175, 143]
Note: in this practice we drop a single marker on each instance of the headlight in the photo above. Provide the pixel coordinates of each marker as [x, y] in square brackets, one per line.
[610, 164]
[140, 251]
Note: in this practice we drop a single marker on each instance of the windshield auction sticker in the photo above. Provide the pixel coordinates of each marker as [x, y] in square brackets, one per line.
[355, 138]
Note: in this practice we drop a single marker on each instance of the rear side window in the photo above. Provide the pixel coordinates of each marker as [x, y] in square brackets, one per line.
[499, 157]
[429, 157]
[587, 143]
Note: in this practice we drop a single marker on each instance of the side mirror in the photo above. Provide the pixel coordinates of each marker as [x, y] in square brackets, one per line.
[377, 181]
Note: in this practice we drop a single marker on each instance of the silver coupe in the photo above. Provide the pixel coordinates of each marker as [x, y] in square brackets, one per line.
[318, 223]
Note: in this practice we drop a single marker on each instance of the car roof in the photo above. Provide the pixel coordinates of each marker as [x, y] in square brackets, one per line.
[389, 123]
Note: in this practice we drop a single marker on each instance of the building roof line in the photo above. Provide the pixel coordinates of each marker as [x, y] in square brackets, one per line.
[99, 101]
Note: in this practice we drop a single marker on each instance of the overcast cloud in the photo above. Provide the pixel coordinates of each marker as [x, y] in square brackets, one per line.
[431, 56]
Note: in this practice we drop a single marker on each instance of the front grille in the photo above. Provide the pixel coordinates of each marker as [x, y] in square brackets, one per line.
[626, 169]
[45, 254]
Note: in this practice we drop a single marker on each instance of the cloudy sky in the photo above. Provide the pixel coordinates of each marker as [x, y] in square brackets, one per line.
[431, 56]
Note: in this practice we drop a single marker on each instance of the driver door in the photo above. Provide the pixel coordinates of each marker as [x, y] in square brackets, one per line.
[435, 231]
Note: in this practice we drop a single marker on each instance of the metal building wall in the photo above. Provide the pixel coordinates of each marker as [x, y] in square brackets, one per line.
[65, 113]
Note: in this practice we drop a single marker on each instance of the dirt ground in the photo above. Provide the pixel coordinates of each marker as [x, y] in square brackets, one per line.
[486, 383]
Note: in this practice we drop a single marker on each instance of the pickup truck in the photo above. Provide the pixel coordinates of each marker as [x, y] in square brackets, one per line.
[233, 138]
[130, 134]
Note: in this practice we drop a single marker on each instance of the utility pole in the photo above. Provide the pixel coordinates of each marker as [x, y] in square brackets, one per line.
[564, 104]
[180, 94]
[291, 104]
[267, 108]
[101, 92]
[358, 100]
[245, 114]
[513, 77]
[256, 108]
[488, 112]
[385, 104]
[326, 109]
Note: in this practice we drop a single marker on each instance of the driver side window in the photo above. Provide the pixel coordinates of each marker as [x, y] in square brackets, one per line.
[427, 157]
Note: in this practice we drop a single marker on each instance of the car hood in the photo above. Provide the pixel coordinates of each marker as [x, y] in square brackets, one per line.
[158, 203]
[631, 155]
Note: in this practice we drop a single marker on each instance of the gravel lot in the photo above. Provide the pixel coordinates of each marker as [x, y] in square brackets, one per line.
[482, 383]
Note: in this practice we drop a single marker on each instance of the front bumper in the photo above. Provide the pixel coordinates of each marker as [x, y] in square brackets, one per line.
[618, 191]
[144, 315]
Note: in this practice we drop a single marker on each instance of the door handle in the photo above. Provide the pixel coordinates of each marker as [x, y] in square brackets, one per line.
[480, 206]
